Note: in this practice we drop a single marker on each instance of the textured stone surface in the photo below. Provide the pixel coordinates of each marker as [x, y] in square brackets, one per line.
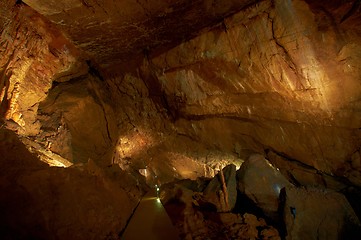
[260, 80]
[33, 55]
[112, 31]
[75, 120]
[282, 76]
[78, 122]
[44, 202]
[303, 175]
[214, 192]
[277, 77]
[315, 214]
[147, 137]
[262, 183]
[195, 219]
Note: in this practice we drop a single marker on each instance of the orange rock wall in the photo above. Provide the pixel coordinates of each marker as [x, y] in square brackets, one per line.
[280, 76]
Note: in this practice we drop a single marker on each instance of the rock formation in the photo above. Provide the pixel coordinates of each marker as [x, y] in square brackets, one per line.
[319, 214]
[262, 183]
[197, 216]
[179, 89]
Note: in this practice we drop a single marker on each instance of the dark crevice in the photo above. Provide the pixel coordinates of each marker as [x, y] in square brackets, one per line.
[339, 179]
[94, 71]
[353, 9]
[4, 84]
[128, 220]
[97, 99]
[288, 58]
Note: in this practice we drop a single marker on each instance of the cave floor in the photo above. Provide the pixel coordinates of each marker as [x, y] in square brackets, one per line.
[150, 221]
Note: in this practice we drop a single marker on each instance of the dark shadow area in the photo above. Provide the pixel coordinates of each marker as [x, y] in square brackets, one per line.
[246, 205]
[353, 196]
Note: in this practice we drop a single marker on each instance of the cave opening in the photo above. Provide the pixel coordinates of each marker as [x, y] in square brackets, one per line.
[187, 119]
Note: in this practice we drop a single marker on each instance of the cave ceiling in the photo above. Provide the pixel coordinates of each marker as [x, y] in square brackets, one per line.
[113, 32]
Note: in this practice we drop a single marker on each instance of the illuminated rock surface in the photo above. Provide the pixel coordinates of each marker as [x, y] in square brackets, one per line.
[182, 89]
[224, 185]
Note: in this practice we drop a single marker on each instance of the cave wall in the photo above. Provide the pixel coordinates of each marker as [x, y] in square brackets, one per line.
[282, 76]
[117, 32]
[147, 138]
[35, 54]
[50, 94]
[279, 78]
[84, 201]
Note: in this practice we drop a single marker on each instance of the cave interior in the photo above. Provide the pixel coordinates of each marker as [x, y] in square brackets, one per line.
[242, 116]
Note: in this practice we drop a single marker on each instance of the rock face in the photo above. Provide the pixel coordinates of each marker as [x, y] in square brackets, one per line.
[111, 31]
[78, 121]
[221, 190]
[262, 183]
[264, 79]
[260, 80]
[44, 202]
[33, 55]
[317, 214]
[272, 77]
[38, 100]
[195, 219]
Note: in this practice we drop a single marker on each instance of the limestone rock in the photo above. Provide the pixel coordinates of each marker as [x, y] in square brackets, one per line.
[264, 80]
[262, 183]
[42, 202]
[319, 214]
[131, 29]
[33, 55]
[214, 191]
[303, 175]
[77, 120]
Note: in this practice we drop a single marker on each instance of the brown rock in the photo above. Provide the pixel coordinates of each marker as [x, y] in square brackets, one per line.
[270, 234]
[301, 174]
[44, 202]
[131, 29]
[319, 214]
[262, 183]
[264, 80]
[214, 192]
[80, 116]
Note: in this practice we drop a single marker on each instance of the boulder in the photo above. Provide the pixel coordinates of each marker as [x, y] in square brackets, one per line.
[261, 182]
[214, 193]
[311, 213]
[84, 201]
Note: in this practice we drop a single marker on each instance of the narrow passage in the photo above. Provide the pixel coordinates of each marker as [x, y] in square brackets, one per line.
[150, 221]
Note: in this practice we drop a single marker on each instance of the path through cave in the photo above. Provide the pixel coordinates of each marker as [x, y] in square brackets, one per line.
[150, 221]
